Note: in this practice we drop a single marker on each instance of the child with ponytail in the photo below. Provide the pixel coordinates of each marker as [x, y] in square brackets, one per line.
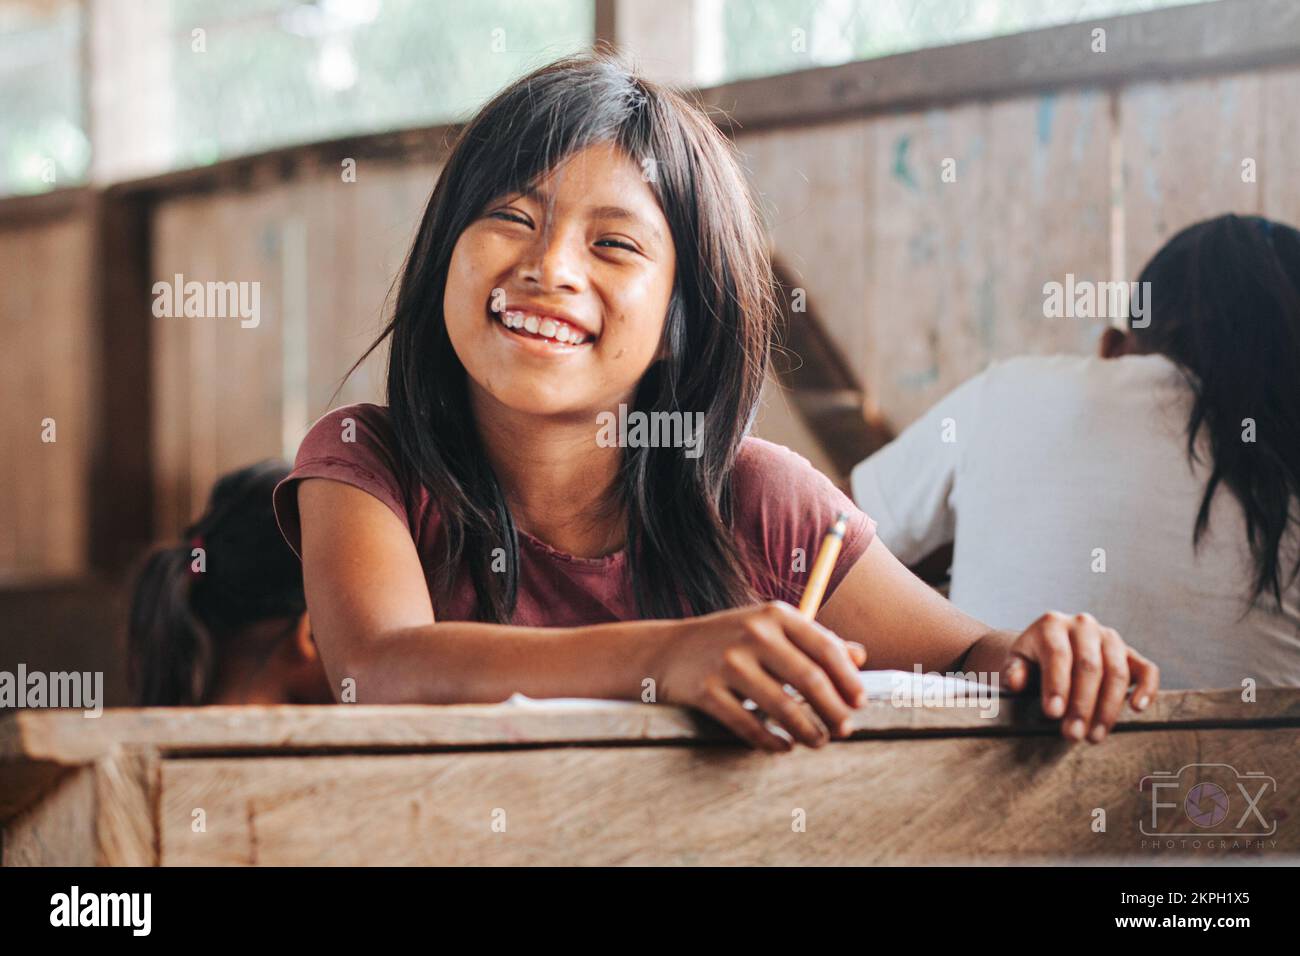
[220, 617]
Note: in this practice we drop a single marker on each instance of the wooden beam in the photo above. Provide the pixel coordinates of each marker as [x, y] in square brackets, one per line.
[40, 207]
[121, 491]
[66, 738]
[1175, 42]
[605, 33]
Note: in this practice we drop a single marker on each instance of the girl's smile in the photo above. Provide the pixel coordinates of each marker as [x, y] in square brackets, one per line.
[556, 334]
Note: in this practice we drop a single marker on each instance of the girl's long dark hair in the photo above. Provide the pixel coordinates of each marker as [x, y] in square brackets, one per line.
[716, 337]
[180, 618]
[1225, 305]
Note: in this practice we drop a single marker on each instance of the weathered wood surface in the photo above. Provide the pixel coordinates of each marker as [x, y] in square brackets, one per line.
[929, 800]
[45, 364]
[68, 738]
[608, 782]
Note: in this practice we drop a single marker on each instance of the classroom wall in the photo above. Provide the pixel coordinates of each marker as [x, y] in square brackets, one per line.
[923, 282]
[325, 253]
[46, 342]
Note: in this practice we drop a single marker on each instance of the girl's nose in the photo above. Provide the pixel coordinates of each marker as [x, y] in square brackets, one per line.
[553, 260]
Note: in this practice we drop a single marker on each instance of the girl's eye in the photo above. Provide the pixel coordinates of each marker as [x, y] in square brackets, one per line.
[508, 216]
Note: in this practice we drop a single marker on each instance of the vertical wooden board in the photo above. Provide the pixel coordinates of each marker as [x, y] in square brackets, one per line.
[810, 185]
[65, 359]
[329, 209]
[974, 209]
[1047, 212]
[1183, 144]
[209, 382]
[385, 243]
[247, 419]
[58, 831]
[173, 230]
[11, 423]
[38, 261]
[206, 248]
[126, 806]
[389, 202]
[929, 241]
[1279, 160]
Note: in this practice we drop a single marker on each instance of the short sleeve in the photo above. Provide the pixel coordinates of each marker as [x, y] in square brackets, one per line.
[354, 445]
[784, 507]
[908, 484]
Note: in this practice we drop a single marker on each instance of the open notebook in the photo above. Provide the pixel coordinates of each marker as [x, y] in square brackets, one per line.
[904, 688]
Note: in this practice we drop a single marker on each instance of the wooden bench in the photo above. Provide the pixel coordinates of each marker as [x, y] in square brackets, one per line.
[644, 784]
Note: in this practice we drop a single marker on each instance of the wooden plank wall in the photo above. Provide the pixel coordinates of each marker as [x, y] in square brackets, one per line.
[325, 253]
[46, 337]
[1184, 145]
[923, 282]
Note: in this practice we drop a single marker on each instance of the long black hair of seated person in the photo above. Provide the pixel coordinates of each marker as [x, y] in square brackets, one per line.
[1225, 305]
[181, 617]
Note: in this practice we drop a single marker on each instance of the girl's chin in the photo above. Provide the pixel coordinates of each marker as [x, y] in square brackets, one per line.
[544, 402]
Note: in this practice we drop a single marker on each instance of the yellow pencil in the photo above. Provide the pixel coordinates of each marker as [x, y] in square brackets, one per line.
[811, 602]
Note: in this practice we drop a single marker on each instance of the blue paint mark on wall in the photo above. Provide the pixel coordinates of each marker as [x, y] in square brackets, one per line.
[921, 246]
[901, 170]
[1088, 105]
[1046, 112]
[917, 381]
[921, 379]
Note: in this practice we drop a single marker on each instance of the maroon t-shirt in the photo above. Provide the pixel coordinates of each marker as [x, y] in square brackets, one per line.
[780, 503]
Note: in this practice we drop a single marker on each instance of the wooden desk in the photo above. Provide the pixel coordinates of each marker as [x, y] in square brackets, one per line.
[641, 784]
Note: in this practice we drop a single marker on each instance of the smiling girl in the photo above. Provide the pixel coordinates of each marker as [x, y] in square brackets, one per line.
[590, 243]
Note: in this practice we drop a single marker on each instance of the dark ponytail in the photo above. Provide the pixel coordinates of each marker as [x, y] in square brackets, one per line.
[1225, 305]
[181, 618]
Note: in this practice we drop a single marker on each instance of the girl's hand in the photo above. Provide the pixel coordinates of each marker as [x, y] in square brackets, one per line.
[718, 660]
[1086, 672]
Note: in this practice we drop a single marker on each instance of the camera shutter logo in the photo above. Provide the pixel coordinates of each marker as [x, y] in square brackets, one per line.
[1206, 804]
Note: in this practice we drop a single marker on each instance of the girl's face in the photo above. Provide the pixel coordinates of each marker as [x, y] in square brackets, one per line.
[559, 312]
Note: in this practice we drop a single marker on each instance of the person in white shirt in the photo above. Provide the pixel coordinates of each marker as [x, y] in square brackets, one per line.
[1157, 485]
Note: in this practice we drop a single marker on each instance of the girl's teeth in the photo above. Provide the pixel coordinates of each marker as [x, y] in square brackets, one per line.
[548, 328]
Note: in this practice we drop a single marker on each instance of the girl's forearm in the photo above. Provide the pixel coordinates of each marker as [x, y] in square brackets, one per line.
[456, 662]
